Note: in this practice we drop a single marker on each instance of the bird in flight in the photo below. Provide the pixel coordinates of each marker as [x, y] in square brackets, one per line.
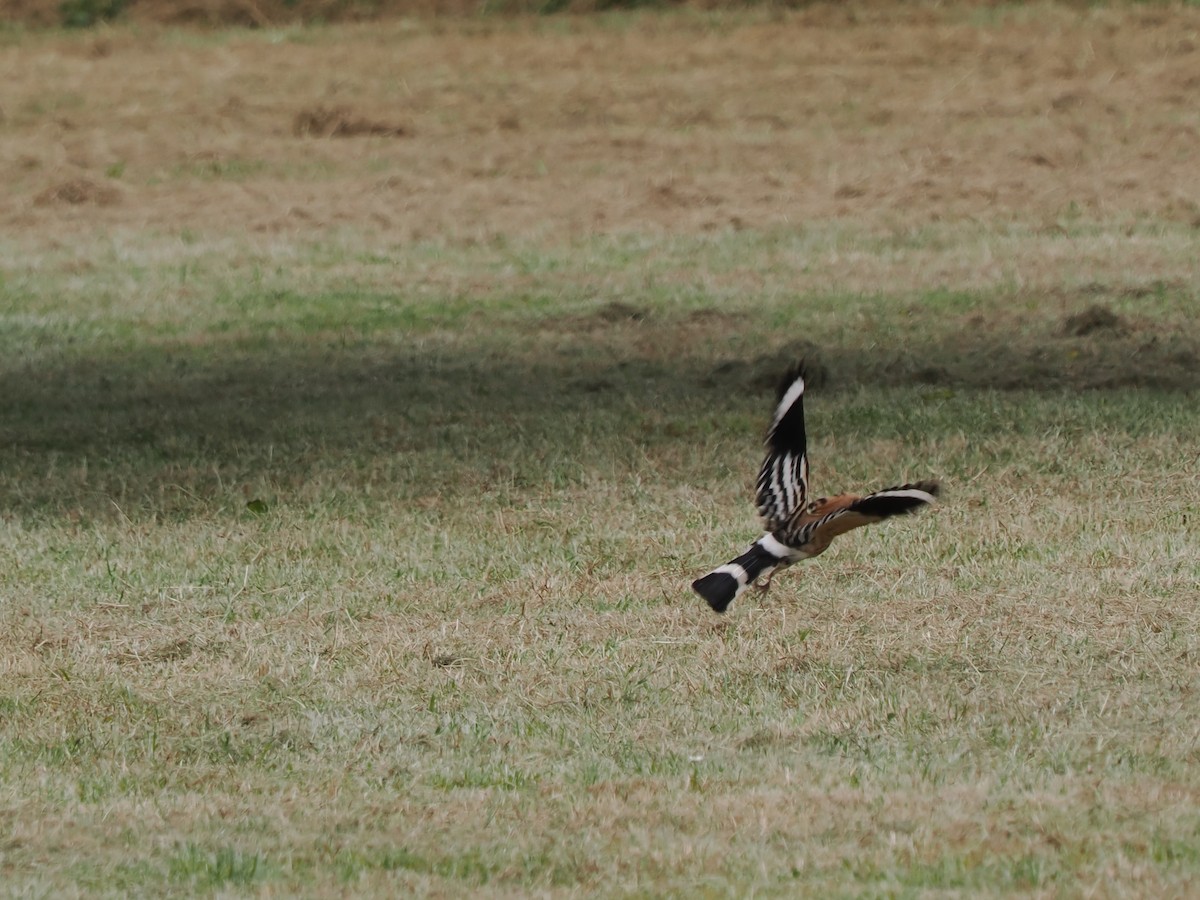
[796, 528]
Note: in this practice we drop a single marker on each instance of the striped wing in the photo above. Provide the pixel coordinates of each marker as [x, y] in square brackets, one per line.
[847, 513]
[782, 487]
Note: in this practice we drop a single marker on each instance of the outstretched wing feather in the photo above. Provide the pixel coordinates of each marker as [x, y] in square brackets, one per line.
[855, 512]
[782, 486]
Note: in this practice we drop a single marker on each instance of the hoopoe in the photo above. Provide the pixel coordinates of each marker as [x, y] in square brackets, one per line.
[797, 529]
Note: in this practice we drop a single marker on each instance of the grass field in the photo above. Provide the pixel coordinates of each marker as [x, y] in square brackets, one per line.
[350, 496]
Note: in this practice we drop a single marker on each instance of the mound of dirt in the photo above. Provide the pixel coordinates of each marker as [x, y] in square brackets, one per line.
[77, 192]
[322, 121]
[1093, 319]
[604, 318]
[762, 373]
[616, 311]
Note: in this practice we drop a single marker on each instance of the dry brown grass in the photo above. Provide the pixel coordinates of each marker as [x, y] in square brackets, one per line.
[886, 119]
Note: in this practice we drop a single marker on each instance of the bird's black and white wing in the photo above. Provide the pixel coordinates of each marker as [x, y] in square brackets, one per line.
[782, 486]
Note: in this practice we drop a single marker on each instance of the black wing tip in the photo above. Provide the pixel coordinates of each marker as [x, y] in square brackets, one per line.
[888, 503]
[718, 590]
[786, 431]
[798, 369]
[931, 487]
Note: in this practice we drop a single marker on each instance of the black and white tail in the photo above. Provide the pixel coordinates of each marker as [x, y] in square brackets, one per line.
[721, 586]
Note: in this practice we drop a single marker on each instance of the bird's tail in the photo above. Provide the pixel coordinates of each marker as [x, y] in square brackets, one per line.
[721, 586]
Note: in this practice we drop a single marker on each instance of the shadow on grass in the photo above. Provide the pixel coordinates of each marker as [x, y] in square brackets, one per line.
[167, 430]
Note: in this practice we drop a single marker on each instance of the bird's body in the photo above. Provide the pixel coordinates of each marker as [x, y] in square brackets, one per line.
[795, 528]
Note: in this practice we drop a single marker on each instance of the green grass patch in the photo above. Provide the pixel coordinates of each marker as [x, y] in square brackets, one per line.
[365, 568]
